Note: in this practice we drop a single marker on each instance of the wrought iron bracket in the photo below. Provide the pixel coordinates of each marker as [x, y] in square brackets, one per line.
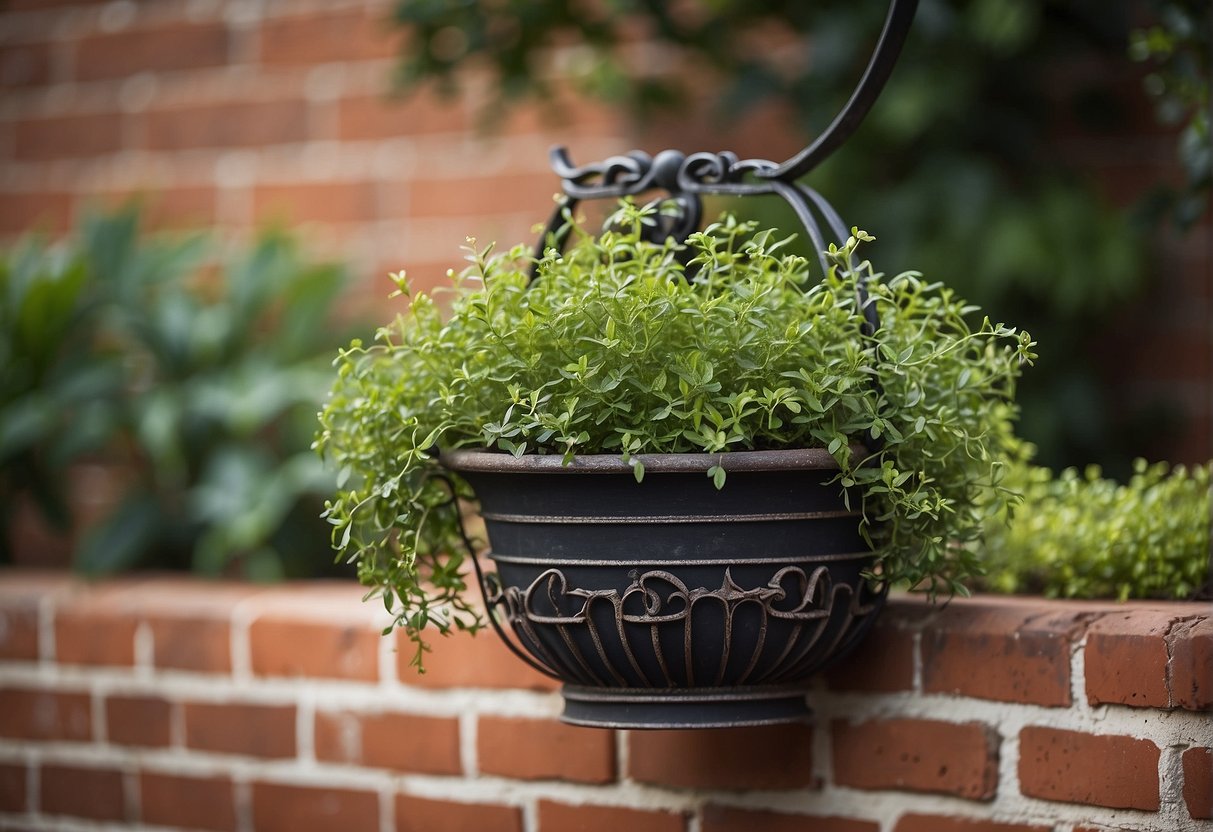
[686, 179]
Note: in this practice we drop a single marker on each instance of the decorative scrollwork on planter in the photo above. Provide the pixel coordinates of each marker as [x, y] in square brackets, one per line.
[642, 636]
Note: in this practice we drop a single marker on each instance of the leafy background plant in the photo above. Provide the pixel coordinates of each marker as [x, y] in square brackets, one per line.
[1079, 534]
[956, 169]
[619, 348]
[194, 376]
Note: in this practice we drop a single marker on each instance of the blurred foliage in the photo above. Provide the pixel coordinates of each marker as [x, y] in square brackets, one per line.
[1079, 535]
[196, 377]
[1177, 48]
[956, 169]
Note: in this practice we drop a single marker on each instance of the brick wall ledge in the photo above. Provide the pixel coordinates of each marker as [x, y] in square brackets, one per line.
[170, 703]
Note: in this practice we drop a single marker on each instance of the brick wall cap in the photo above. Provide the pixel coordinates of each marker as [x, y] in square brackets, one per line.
[994, 611]
[1077, 604]
[1145, 621]
[29, 585]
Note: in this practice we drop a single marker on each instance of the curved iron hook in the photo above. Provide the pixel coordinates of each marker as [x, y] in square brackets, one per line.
[875, 76]
[688, 178]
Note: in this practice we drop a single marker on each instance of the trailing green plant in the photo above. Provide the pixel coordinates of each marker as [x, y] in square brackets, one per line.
[194, 375]
[618, 347]
[1081, 535]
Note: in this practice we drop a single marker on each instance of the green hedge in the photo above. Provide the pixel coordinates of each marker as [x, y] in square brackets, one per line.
[1080, 535]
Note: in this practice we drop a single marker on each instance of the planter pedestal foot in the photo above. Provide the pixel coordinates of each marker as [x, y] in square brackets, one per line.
[683, 707]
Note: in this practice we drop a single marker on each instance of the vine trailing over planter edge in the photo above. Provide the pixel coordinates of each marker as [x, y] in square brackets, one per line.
[631, 347]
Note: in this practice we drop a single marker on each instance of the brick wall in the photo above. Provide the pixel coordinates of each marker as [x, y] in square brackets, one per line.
[171, 704]
[232, 113]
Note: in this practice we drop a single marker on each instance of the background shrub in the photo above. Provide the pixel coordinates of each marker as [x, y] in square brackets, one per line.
[1080, 535]
[195, 376]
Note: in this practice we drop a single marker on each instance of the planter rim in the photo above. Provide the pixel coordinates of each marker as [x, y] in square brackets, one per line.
[483, 460]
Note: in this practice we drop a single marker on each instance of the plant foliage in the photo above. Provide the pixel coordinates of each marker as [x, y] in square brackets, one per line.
[618, 347]
[1080, 535]
[1178, 49]
[194, 376]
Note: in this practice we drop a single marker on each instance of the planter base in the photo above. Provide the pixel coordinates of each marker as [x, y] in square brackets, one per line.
[598, 707]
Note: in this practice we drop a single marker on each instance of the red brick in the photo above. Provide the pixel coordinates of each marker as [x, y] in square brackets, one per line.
[13, 795]
[1022, 651]
[325, 202]
[500, 194]
[417, 814]
[243, 124]
[138, 720]
[397, 741]
[1126, 659]
[18, 627]
[181, 643]
[318, 629]
[537, 749]
[917, 755]
[378, 117]
[312, 809]
[935, 823]
[163, 48]
[1191, 645]
[174, 208]
[294, 647]
[67, 137]
[326, 37]
[562, 817]
[241, 728]
[193, 802]
[190, 622]
[1099, 770]
[723, 819]
[767, 757]
[466, 661]
[1198, 782]
[574, 114]
[40, 211]
[29, 714]
[83, 792]
[25, 64]
[85, 638]
[883, 663]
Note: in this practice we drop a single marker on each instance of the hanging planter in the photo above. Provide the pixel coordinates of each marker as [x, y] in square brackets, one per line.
[700, 461]
[670, 602]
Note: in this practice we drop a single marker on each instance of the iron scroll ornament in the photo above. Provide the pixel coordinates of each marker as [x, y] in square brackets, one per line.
[686, 179]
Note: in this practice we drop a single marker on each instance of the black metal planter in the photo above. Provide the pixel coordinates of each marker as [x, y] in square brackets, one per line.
[669, 603]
